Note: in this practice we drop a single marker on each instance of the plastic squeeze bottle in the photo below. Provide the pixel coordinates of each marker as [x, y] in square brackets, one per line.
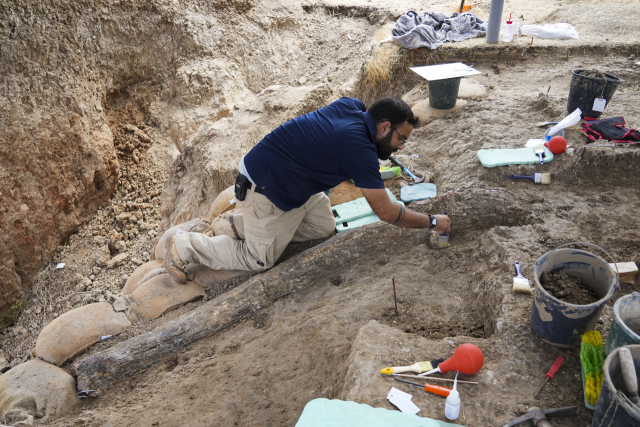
[452, 405]
[509, 30]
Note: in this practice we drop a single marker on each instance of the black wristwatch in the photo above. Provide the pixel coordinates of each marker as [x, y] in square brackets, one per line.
[433, 221]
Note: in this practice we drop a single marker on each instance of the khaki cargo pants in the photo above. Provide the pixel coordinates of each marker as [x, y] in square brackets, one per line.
[267, 231]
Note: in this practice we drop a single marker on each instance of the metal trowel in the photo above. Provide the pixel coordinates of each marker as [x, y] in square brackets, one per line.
[404, 168]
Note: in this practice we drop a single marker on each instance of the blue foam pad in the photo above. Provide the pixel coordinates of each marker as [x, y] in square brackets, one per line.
[415, 192]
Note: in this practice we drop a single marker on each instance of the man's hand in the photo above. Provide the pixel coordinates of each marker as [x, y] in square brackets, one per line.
[443, 224]
[396, 214]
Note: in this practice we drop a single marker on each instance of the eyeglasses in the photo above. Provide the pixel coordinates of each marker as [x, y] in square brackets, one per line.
[402, 139]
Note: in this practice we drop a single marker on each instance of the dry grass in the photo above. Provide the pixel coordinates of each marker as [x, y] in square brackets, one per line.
[379, 69]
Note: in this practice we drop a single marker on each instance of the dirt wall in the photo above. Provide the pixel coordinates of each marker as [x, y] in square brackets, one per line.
[62, 65]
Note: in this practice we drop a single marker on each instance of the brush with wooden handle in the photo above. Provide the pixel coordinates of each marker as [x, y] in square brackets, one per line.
[416, 367]
[521, 283]
[443, 239]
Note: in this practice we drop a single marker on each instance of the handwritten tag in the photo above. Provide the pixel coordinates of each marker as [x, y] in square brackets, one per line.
[402, 401]
[599, 104]
[180, 232]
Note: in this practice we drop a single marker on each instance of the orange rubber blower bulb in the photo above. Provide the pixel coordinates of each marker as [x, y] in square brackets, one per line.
[556, 145]
[467, 359]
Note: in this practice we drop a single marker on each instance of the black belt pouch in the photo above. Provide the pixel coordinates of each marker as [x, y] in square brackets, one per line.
[242, 184]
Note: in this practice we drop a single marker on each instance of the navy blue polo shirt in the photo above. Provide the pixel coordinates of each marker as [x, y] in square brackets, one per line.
[316, 152]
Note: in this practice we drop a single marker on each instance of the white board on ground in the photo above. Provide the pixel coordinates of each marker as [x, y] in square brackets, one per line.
[445, 71]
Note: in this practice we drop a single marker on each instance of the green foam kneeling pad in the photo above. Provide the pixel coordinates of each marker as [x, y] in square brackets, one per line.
[511, 156]
[338, 413]
[355, 209]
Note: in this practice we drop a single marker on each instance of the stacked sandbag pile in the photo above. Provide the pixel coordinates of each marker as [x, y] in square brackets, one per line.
[38, 389]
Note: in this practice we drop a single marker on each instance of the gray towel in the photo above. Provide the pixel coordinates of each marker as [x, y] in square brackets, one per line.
[432, 29]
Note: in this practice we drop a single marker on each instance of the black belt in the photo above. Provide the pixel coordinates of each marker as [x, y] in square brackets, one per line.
[257, 190]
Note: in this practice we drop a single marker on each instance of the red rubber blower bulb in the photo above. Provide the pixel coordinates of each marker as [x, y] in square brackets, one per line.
[556, 145]
[467, 359]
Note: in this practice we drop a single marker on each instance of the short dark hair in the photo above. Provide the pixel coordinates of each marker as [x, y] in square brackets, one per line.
[394, 110]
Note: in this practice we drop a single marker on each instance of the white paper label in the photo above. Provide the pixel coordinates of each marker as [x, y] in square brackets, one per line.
[61, 265]
[180, 231]
[402, 401]
[599, 104]
[232, 201]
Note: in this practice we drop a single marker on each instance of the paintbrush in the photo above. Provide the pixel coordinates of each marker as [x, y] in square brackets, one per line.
[539, 151]
[538, 178]
[416, 367]
[443, 239]
[521, 283]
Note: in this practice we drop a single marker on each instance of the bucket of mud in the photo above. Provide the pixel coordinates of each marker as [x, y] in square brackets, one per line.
[443, 94]
[589, 85]
[614, 407]
[626, 323]
[576, 276]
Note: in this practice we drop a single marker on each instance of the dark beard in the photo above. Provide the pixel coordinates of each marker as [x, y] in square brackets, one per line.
[384, 148]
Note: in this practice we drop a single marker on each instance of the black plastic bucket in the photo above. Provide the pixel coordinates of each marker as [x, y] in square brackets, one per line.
[585, 89]
[443, 94]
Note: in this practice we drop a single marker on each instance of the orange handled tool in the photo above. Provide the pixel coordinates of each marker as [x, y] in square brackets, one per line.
[435, 389]
[551, 373]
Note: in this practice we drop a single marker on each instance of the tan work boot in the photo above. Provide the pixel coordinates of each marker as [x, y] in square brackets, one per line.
[173, 264]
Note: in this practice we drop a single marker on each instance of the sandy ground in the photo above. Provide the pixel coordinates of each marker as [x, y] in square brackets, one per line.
[332, 339]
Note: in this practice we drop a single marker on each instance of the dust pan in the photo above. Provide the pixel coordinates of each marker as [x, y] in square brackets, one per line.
[571, 120]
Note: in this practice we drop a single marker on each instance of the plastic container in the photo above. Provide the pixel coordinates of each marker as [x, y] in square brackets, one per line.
[585, 89]
[614, 407]
[443, 94]
[626, 323]
[509, 33]
[548, 136]
[557, 322]
[452, 404]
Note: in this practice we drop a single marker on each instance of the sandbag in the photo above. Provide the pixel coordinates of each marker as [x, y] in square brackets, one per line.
[223, 203]
[205, 276]
[35, 389]
[343, 193]
[75, 330]
[426, 113]
[198, 225]
[161, 295]
[471, 89]
[140, 273]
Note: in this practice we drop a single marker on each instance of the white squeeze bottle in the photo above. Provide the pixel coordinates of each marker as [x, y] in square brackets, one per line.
[509, 30]
[452, 405]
